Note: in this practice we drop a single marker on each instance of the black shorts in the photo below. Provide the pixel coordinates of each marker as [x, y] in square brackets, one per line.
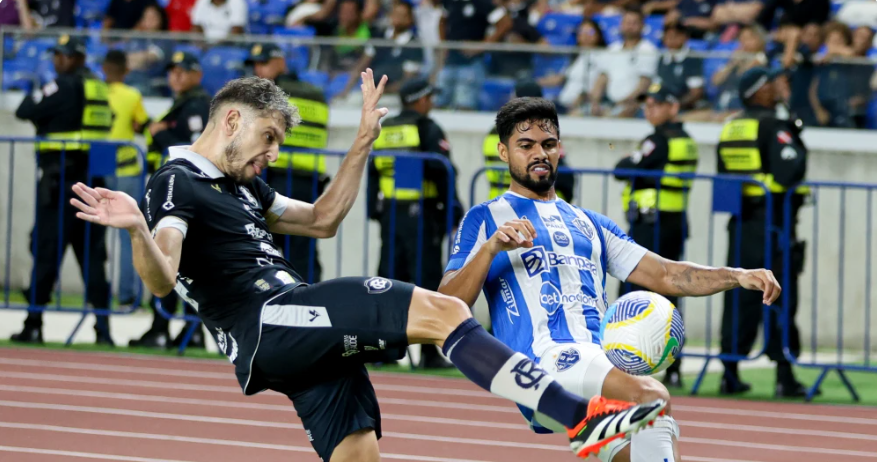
[315, 341]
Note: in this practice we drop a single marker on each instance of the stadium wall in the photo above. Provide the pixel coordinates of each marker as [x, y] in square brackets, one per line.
[836, 155]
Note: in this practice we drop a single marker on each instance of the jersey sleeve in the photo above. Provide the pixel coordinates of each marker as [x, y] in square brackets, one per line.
[471, 235]
[273, 203]
[622, 253]
[170, 201]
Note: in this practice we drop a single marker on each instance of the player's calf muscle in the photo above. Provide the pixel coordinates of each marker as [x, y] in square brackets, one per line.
[621, 386]
[433, 316]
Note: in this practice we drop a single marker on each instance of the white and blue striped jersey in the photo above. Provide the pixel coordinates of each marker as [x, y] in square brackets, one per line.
[555, 291]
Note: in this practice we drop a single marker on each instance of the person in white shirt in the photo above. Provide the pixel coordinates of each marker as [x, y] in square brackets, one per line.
[625, 71]
[578, 78]
[217, 19]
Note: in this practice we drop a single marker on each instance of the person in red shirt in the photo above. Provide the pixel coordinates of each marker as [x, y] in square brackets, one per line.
[180, 15]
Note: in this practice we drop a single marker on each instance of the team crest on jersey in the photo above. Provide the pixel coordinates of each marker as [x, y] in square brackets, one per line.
[567, 359]
[378, 285]
[584, 227]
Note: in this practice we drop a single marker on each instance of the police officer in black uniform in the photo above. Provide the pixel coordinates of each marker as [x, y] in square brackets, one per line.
[413, 131]
[180, 125]
[656, 207]
[500, 180]
[74, 106]
[770, 150]
[298, 175]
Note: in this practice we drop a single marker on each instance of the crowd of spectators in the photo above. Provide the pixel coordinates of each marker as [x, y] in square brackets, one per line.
[700, 47]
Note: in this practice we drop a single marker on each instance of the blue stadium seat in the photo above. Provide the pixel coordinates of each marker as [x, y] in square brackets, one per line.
[559, 28]
[494, 93]
[872, 53]
[712, 65]
[90, 10]
[188, 48]
[297, 56]
[35, 50]
[610, 26]
[316, 78]
[698, 45]
[551, 93]
[16, 73]
[221, 64]
[336, 85]
[548, 64]
[835, 7]
[653, 29]
[871, 114]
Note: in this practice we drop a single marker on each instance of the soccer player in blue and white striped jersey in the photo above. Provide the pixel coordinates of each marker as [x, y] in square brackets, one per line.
[542, 265]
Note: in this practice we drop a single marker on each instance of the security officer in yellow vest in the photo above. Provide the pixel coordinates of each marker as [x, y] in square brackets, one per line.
[74, 106]
[758, 144]
[301, 176]
[500, 180]
[657, 215]
[184, 121]
[413, 131]
[180, 125]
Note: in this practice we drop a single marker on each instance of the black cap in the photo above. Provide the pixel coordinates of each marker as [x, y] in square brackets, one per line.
[184, 60]
[414, 89]
[70, 46]
[527, 88]
[262, 52]
[752, 80]
[661, 93]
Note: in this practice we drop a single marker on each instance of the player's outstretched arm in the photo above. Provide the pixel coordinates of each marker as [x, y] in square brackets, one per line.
[321, 219]
[686, 279]
[156, 260]
[467, 282]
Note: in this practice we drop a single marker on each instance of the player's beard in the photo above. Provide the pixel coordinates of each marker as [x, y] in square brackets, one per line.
[537, 185]
[234, 158]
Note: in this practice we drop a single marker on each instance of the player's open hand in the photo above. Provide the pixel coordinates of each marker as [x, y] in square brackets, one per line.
[763, 280]
[105, 207]
[512, 235]
[370, 123]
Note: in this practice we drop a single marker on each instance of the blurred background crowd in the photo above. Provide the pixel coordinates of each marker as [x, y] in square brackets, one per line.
[592, 57]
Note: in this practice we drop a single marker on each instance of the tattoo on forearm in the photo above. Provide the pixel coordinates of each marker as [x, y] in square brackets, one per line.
[695, 280]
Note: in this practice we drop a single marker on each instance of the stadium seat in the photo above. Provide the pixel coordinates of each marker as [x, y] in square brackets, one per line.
[88, 11]
[871, 122]
[549, 64]
[610, 26]
[551, 93]
[336, 85]
[301, 31]
[16, 73]
[35, 50]
[698, 45]
[559, 28]
[653, 29]
[222, 64]
[188, 48]
[316, 78]
[494, 93]
[712, 65]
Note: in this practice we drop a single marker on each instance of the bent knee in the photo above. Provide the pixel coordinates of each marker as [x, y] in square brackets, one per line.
[433, 316]
[650, 389]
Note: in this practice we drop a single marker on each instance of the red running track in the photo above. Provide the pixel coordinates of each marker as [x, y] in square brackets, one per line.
[62, 406]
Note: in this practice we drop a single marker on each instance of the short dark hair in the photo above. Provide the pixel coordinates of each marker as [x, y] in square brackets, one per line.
[525, 110]
[634, 10]
[117, 58]
[263, 95]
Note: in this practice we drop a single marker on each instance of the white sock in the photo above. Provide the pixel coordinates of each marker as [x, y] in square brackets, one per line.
[655, 444]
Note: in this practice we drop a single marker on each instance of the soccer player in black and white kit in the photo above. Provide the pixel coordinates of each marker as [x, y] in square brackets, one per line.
[205, 231]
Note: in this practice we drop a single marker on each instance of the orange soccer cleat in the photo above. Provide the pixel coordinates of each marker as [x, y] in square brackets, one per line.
[609, 420]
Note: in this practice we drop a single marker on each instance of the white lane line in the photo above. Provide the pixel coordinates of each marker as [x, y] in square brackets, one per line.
[774, 415]
[777, 447]
[258, 423]
[223, 376]
[86, 455]
[264, 424]
[451, 405]
[211, 441]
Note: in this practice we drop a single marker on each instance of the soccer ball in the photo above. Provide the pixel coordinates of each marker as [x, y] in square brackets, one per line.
[642, 333]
